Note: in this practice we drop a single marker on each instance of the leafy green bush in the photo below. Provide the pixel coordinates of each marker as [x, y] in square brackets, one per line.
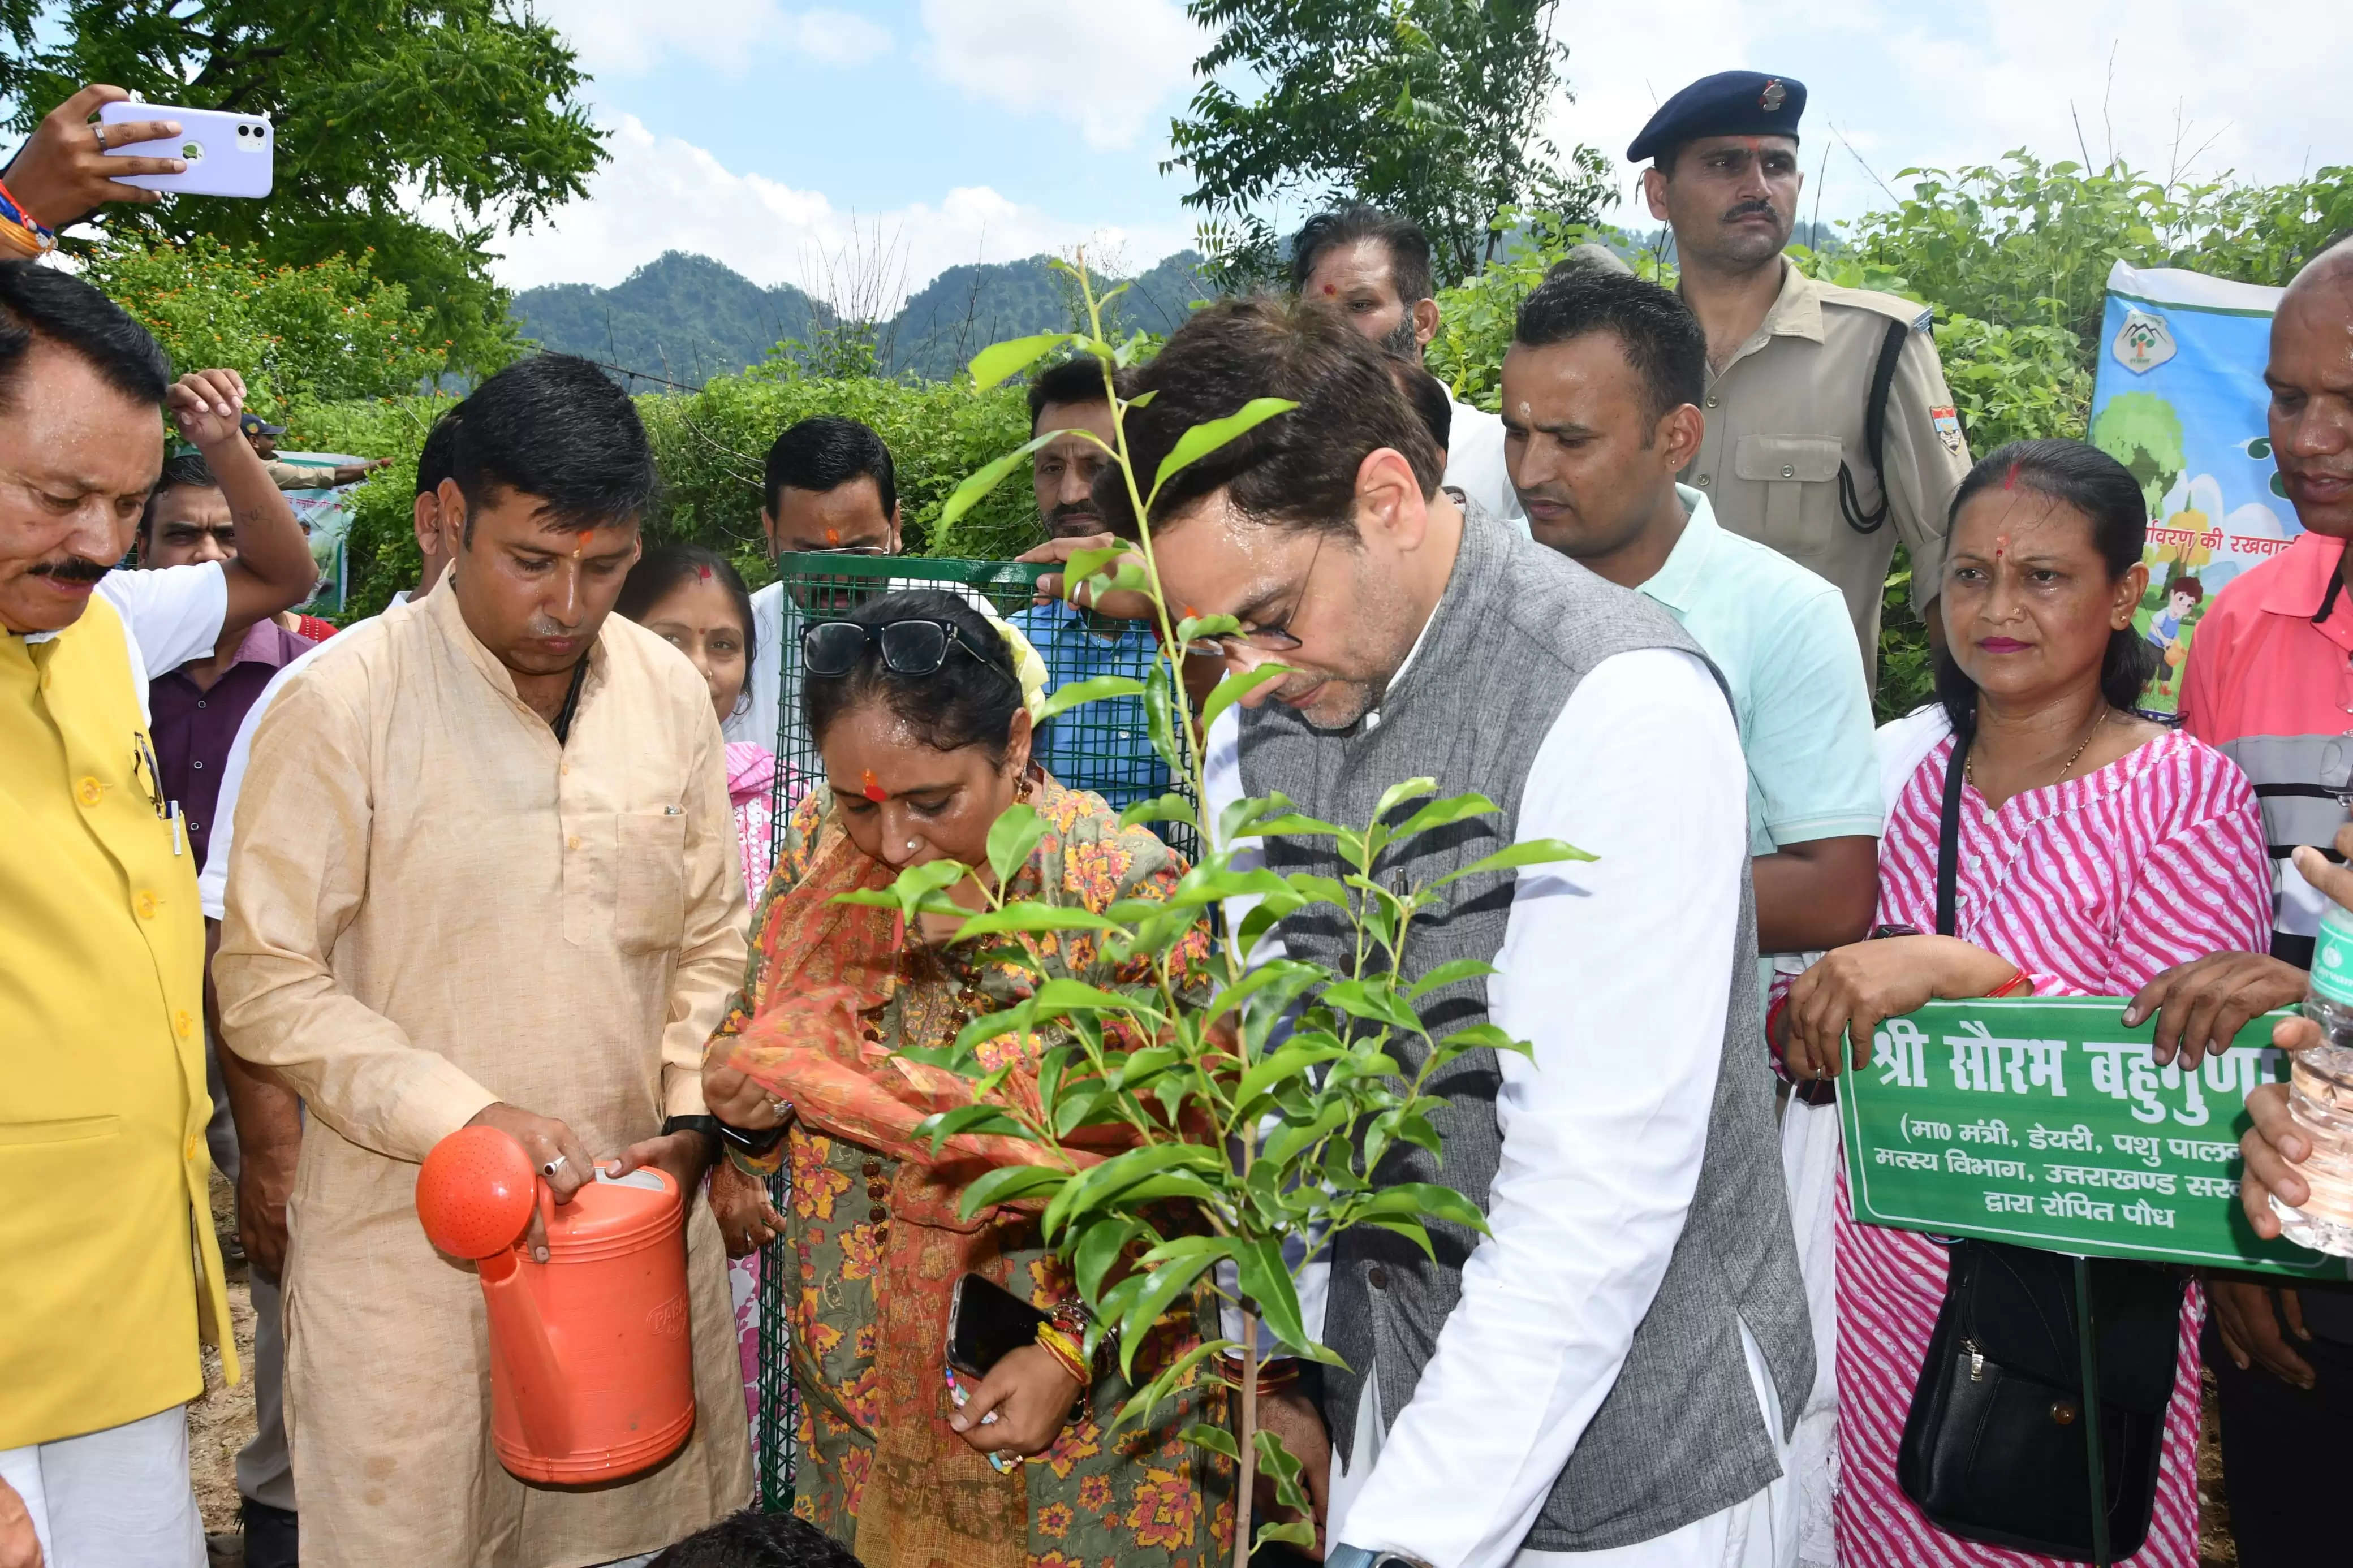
[329, 331]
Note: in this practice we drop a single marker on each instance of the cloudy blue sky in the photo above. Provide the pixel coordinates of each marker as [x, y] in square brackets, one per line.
[863, 148]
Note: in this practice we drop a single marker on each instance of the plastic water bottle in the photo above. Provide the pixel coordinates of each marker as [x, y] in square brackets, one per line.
[2320, 1096]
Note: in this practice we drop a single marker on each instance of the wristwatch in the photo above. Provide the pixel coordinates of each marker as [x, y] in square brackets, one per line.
[1358, 1557]
[706, 1125]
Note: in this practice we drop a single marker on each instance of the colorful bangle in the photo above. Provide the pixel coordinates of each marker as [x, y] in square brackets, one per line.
[21, 228]
[1275, 1373]
[1065, 1352]
[2012, 987]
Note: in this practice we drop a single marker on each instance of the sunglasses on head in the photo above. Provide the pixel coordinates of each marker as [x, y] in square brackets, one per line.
[909, 647]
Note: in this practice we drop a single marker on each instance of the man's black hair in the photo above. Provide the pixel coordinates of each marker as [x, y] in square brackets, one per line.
[1408, 247]
[182, 471]
[557, 429]
[824, 454]
[1433, 403]
[755, 1540]
[42, 302]
[1657, 332]
[1296, 470]
[1074, 382]
[437, 460]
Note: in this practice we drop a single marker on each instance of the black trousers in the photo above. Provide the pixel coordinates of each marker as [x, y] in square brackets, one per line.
[2283, 1453]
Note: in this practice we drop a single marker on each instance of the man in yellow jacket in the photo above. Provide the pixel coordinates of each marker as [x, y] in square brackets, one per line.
[107, 1263]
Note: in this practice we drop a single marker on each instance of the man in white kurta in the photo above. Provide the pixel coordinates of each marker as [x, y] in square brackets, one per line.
[437, 905]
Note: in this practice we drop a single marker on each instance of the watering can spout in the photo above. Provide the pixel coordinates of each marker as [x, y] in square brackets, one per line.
[475, 1196]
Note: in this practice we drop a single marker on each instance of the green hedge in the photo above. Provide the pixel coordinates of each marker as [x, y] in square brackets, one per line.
[710, 448]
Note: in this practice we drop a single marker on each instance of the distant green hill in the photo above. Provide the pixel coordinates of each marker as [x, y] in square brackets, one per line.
[686, 318]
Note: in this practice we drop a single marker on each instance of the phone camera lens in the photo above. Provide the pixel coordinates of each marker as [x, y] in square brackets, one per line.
[245, 130]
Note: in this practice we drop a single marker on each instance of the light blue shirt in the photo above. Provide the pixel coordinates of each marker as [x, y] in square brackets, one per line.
[1103, 746]
[1783, 639]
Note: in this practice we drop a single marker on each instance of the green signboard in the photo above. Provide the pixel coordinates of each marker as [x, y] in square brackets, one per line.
[2046, 1122]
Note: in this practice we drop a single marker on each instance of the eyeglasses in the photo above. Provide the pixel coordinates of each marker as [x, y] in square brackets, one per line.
[833, 648]
[1277, 637]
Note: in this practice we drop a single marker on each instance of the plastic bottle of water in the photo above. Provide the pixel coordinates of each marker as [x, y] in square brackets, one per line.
[2320, 1095]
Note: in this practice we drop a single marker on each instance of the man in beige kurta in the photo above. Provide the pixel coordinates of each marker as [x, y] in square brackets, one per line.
[434, 905]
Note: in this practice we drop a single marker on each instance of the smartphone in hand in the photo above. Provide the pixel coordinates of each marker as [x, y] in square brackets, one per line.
[226, 154]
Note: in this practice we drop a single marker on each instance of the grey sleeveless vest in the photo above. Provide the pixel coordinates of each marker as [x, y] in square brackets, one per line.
[1678, 1437]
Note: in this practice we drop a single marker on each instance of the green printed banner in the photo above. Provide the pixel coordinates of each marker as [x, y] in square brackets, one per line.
[2046, 1122]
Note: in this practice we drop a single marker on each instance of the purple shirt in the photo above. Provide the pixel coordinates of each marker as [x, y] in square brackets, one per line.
[193, 729]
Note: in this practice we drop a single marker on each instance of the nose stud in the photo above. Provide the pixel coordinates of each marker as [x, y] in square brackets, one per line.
[914, 843]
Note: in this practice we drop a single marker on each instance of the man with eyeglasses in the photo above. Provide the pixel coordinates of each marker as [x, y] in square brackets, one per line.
[106, 1234]
[1614, 1367]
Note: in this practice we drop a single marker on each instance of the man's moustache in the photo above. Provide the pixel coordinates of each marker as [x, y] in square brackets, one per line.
[72, 569]
[1074, 509]
[1751, 209]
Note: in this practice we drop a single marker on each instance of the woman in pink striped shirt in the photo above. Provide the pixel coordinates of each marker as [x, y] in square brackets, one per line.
[2095, 849]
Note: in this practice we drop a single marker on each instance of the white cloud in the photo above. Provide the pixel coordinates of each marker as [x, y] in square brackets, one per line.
[660, 193]
[626, 37]
[1964, 84]
[1111, 69]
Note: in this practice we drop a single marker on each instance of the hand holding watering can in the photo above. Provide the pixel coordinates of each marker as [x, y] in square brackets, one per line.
[591, 1371]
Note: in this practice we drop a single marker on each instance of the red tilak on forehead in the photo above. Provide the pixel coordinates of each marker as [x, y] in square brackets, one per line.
[580, 542]
[705, 572]
[833, 536]
[2010, 480]
[1329, 288]
[872, 788]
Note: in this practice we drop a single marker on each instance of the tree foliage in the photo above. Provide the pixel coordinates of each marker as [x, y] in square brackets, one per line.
[329, 331]
[382, 108]
[1430, 107]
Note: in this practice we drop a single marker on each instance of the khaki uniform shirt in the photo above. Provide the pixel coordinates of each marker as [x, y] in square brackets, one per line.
[1787, 409]
[431, 905]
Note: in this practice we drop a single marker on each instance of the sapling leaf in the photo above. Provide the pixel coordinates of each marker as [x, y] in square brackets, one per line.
[985, 1119]
[1193, 626]
[1160, 717]
[1085, 563]
[1216, 1439]
[1416, 1200]
[1278, 1463]
[1413, 1230]
[1078, 1107]
[1166, 808]
[1146, 1399]
[1531, 852]
[1268, 1284]
[1287, 976]
[1095, 688]
[1297, 1533]
[1374, 999]
[1006, 1183]
[1287, 1063]
[1290, 825]
[969, 494]
[1011, 837]
[1161, 1288]
[995, 363]
[1231, 689]
[1446, 973]
[1444, 814]
[1028, 916]
[1204, 439]
[1099, 1248]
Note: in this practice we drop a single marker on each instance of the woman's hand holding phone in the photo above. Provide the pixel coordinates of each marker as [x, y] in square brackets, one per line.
[1031, 1396]
[62, 173]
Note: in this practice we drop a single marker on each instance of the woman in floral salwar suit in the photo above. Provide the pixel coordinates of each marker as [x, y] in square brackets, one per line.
[926, 734]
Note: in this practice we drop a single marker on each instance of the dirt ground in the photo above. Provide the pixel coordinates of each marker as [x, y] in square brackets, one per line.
[221, 1422]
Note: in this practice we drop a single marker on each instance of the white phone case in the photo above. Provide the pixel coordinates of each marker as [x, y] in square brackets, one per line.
[227, 155]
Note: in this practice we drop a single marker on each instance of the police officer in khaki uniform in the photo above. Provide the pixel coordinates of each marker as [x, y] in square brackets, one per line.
[1800, 372]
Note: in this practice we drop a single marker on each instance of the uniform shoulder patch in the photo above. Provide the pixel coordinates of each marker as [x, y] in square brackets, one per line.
[1925, 320]
[1895, 307]
[1948, 422]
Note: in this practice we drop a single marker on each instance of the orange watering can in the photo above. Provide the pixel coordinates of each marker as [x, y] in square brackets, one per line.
[591, 1378]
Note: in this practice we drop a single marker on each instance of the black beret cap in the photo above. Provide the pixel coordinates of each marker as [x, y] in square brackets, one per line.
[1729, 103]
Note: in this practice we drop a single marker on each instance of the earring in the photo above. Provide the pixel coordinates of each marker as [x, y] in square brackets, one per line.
[1022, 787]
[914, 845]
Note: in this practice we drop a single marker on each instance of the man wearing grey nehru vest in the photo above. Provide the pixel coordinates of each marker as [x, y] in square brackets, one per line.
[1611, 1372]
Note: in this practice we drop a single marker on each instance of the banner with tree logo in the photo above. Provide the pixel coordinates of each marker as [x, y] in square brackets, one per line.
[2179, 399]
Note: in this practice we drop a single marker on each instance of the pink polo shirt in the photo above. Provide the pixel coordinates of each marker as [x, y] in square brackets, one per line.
[2272, 688]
